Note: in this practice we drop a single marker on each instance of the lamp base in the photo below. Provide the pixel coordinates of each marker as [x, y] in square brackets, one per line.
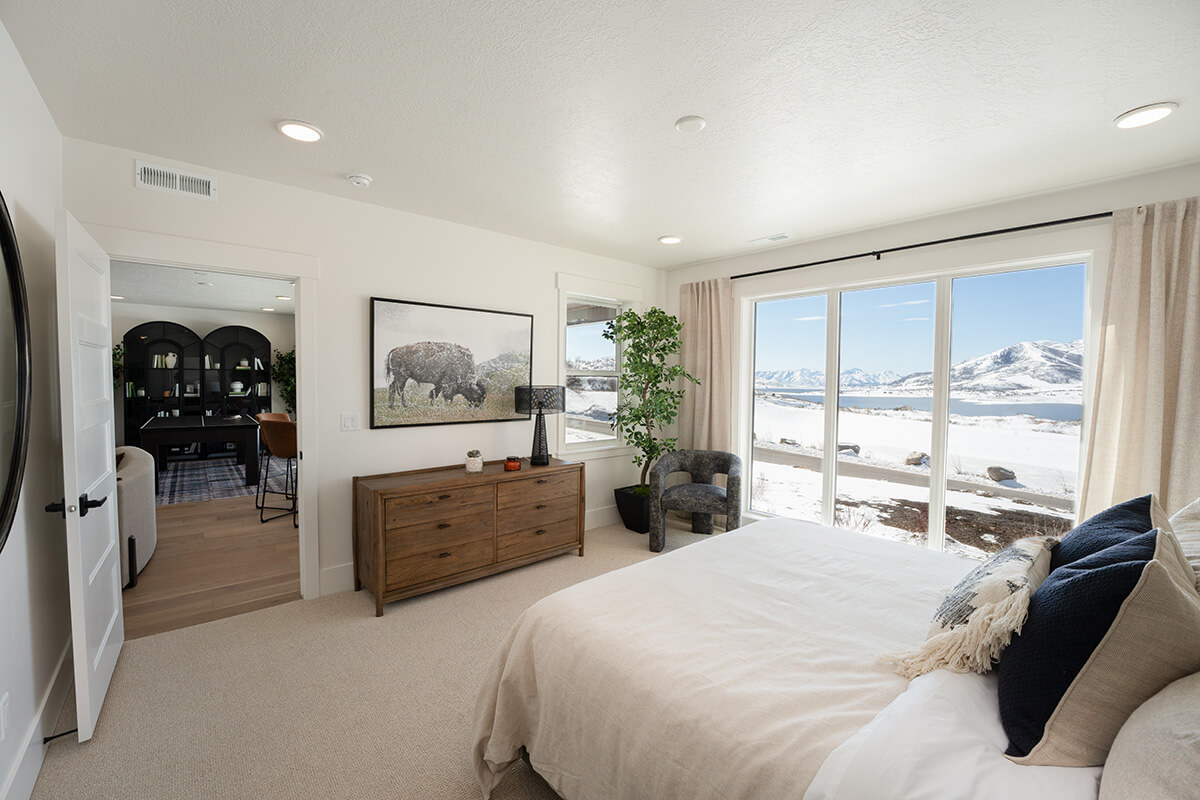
[540, 457]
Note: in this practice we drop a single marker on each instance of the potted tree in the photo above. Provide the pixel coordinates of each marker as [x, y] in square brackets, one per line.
[649, 399]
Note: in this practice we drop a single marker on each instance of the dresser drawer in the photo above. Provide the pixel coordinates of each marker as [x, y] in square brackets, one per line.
[536, 514]
[432, 506]
[401, 542]
[439, 563]
[515, 493]
[531, 540]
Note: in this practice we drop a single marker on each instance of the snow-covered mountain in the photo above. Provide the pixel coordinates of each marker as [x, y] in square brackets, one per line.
[1022, 366]
[606, 363]
[815, 378]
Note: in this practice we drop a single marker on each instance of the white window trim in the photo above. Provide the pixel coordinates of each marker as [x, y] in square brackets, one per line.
[744, 380]
[572, 288]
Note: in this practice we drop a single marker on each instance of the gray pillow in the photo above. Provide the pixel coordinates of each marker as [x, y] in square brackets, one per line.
[1156, 755]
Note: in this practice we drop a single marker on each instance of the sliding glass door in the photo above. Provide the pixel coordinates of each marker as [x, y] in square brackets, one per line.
[969, 454]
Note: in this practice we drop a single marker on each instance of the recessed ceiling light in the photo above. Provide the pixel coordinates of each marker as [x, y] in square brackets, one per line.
[116, 297]
[282, 297]
[300, 131]
[204, 283]
[669, 239]
[690, 124]
[1145, 115]
[268, 309]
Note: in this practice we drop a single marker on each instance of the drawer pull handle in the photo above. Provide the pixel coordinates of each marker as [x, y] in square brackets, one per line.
[444, 525]
[540, 507]
[444, 555]
[443, 497]
[542, 480]
[539, 533]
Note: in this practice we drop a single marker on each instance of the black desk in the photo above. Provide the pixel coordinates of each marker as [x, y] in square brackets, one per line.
[162, 432]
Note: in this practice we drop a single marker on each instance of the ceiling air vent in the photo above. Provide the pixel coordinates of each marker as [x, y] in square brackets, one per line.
[778, 237]
[175, 181]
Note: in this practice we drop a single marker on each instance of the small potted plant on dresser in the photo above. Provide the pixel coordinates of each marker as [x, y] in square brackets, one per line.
[474, 461]
[649, 399]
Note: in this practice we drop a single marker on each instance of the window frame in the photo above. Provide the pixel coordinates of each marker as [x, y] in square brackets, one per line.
[623, 297]
[943, 280]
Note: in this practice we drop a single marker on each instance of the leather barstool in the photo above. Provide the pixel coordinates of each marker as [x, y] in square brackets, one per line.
[280, 437]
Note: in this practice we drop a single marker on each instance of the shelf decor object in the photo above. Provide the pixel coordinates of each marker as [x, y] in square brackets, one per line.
[443, 365]
[543, 400]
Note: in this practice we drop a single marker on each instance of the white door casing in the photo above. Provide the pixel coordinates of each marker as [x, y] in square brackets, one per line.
[89, 465]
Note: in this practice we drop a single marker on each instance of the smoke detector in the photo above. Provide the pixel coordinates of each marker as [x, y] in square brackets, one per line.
[360, 180]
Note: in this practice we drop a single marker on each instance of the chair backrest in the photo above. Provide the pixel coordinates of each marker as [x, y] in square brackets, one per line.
[279, 436]
[275, 415]
[702, 464]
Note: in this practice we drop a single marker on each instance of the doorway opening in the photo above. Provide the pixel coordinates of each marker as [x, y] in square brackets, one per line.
[210, 500]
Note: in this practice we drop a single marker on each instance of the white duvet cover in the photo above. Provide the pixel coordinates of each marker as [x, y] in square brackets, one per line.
[727, 669]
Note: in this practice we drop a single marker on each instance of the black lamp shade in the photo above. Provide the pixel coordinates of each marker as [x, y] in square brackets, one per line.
[547, 399]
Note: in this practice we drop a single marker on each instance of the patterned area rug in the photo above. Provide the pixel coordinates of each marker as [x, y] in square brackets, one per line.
[214, 479]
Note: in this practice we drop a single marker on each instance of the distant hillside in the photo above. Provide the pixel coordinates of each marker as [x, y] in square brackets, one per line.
[1022, 366]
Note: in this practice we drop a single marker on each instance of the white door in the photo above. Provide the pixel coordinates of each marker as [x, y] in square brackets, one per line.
[89, 465]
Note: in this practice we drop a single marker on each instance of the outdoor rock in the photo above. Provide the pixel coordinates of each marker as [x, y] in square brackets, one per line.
[916, 459]
[846, 446]
[1001, 474]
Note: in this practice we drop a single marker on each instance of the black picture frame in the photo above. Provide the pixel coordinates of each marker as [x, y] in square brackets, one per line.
[435, 364]
[21, 375]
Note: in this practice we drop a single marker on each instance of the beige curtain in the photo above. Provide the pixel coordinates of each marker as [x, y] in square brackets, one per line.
[1145, 432]
[706, 311]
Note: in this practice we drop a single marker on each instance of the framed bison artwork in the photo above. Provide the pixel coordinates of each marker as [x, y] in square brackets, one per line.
[442, 365]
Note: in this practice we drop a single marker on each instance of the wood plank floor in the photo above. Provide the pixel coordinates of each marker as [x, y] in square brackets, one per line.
[213, 559]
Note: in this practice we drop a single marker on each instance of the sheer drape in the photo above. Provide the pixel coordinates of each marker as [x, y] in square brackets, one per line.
[706, 311]
[1145, 432]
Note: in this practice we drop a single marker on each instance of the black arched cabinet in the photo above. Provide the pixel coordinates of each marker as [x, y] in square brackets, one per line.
[170, 371]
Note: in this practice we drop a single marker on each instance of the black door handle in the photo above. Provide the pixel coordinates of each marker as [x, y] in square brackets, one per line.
[85, 504]
[58, 508]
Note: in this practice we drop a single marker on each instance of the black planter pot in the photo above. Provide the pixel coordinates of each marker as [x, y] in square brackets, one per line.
[633, 504]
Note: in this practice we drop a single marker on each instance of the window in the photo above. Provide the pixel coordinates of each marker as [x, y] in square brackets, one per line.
[591, 371]
[968, 454]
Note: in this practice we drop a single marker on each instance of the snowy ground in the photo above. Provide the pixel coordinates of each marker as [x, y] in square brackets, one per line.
[1043, 454]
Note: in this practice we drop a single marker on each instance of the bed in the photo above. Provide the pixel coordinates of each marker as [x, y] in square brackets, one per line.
[730, 668]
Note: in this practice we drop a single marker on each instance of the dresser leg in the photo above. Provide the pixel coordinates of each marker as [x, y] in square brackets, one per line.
[378, 606]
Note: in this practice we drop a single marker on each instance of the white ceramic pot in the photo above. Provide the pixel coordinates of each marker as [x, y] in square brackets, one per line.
[475, 464]
[171, 360]
[236, 386]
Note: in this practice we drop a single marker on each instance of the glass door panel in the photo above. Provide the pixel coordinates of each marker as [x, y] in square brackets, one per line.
[885, 401]
[789, 402]
[1016, 389]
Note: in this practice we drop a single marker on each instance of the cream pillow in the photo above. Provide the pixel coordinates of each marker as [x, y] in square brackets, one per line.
[1185, 524]
[1156, 756]
[978, 617]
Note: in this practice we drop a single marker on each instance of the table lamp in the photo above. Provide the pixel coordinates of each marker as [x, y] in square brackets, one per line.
[544, 400]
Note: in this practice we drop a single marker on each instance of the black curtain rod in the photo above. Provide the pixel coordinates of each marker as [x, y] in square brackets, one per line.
[967, 237]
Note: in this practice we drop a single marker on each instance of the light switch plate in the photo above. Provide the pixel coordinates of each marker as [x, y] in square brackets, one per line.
[350, 422]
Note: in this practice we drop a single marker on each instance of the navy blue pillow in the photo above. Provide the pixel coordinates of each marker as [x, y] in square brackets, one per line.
[1107, 528]
[1068, 616]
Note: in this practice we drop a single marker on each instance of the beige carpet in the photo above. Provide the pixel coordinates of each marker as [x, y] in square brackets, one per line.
[319, 698]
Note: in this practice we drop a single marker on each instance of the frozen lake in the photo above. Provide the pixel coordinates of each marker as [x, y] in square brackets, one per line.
[1059, 412]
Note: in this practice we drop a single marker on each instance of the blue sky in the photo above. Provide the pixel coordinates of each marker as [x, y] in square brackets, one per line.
[892, 327]
[587, 341]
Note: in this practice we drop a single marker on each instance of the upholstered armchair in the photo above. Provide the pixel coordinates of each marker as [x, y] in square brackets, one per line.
[701, 497]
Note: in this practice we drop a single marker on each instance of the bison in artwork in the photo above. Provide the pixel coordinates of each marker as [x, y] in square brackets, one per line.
[449, 367]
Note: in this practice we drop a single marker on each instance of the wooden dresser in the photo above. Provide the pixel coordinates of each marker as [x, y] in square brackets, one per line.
[418, 531]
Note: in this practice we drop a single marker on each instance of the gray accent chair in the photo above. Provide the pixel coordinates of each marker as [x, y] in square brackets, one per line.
[701, 497]
[135, 508]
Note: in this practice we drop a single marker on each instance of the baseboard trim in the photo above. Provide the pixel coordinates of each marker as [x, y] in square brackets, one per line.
[19, 785]
[339, 578]
[599, 517]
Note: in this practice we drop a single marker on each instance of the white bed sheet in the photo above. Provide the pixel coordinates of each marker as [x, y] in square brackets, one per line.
[727, 669]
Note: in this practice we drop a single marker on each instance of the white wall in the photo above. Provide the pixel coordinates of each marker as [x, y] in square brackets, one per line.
[364, 251]
[34, 615]
[280, 330]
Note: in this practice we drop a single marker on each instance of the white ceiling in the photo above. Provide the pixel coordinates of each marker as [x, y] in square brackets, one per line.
[554, 120]
[150, 284]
